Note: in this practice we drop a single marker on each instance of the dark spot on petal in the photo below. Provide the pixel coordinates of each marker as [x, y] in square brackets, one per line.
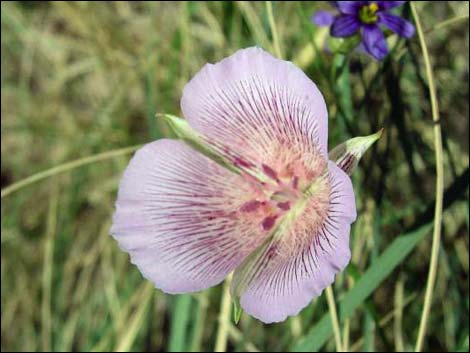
[250, 206]
[272, 251]
[295, 182]
[268, 222]
[284, 205]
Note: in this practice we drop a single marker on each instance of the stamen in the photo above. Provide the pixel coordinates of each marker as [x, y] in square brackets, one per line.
[368, 13]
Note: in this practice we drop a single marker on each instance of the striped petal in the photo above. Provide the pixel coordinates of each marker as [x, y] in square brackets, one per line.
[397, 24]
[290, 269]
[345, 26]
[178, 216]
[374, 41]
[387, 5]
[350, 7]
[251, 105]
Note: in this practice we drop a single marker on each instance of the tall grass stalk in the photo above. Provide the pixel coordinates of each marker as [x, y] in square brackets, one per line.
[224, 318]
[334, 318]
[439, 186]
[274, 33]
[66, 167]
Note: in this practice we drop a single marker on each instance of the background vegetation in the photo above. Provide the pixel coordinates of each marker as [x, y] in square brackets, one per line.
[80, 78]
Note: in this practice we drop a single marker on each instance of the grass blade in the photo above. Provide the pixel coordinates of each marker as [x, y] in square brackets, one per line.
[137, 320]
[179, 323]
[369, 281]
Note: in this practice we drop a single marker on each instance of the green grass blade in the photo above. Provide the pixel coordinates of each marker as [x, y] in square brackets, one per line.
[369, 281]
[137, 320]
[179, 323]
[199, 322]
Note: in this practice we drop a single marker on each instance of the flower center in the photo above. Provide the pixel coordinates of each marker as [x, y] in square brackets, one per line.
[281, 192]
[368, 13]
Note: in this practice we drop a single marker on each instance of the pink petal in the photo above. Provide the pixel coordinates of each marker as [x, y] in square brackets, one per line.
[178, 216]
[297, 268]
[251, 105]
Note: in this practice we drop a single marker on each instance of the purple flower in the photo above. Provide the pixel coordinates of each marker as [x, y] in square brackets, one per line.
[365, 16]
[250, 188]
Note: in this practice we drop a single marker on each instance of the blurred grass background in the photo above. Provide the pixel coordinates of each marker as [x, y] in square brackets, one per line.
[81, 78]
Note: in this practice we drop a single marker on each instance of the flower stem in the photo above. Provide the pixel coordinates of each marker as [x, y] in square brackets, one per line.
[346, 331]
[334, 318]
[199, 323]
[398, 318]
[66, 167]
[439, 186]
[446, 23]
[48, 266]
[224, 317]
[272, 25]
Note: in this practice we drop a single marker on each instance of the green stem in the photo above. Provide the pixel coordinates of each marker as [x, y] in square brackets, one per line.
[398, 319]
[48, 265]
[180, 319]
[439, 186]
[272, 25]
[334, 318]
[199, 323]
[66, 167]
[224, 318]
[136, 321]
[446, 23]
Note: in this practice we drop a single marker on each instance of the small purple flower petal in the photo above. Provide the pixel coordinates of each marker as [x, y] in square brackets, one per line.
[387, 5]
[397, 24]
[349, 7]
[345, 26]
[323, 18]
[374, 41]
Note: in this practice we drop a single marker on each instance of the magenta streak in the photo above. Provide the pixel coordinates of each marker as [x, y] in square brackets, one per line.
[239, 162]
[272, 251]
[295, 182]
[269, 172]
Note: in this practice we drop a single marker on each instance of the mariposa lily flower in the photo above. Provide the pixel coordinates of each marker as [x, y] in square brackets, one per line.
[365, 17]
[249, 187]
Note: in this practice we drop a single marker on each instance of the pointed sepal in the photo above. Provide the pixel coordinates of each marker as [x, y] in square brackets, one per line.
[237, 312]
[183, 131]
[348, 154]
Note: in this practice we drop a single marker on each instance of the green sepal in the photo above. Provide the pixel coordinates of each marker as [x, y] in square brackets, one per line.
[237, 312]
[348, 154]
[344, 45]
[183, 131]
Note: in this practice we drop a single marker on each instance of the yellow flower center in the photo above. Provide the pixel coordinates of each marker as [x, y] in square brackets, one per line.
[368, 13]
